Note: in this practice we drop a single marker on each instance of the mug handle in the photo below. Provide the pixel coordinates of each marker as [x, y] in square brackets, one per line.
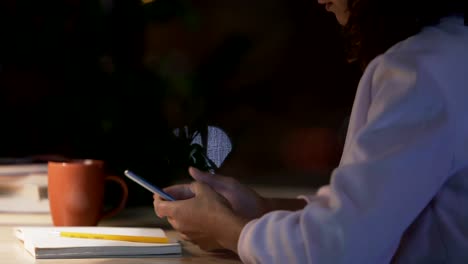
[123, 199]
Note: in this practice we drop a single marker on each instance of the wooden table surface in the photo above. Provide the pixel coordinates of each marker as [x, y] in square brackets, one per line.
[12, 251]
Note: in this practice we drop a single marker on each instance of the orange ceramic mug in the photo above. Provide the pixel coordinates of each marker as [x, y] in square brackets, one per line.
[76, 192]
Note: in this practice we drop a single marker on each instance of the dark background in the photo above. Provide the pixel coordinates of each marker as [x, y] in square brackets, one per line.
[111, 80]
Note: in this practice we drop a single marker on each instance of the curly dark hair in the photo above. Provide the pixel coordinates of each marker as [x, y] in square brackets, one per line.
[376, 25]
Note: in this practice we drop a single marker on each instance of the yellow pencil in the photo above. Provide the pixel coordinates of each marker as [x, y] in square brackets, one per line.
[140, 239]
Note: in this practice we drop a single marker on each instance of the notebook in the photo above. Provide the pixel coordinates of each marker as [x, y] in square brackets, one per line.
[46, 243]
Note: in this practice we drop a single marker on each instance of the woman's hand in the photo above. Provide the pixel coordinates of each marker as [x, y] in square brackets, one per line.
[204, 217]
[244, 201]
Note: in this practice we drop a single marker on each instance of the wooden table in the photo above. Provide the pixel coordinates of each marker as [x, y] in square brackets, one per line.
[12, 251]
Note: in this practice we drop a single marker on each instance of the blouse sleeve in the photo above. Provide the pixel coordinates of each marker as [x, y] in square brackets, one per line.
[391, 168]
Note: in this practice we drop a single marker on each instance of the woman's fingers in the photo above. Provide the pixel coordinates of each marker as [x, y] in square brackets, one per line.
[174, 223]
[215, 181]
[199, 175]
[185, 237]
[201, 189]
[165, 208]
[180, 191]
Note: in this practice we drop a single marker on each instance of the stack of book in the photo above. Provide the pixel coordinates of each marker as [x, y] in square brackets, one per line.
[23, 191]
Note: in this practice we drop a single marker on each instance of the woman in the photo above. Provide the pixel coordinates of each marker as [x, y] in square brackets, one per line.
[400, 192]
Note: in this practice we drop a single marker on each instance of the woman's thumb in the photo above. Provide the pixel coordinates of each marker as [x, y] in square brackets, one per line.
[198, 175]
[199, 187]
[213, 180]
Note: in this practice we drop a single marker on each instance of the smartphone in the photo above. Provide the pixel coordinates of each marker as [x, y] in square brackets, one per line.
[148, 186]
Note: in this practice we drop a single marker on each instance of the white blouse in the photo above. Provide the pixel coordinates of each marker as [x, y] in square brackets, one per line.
[400, 193]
